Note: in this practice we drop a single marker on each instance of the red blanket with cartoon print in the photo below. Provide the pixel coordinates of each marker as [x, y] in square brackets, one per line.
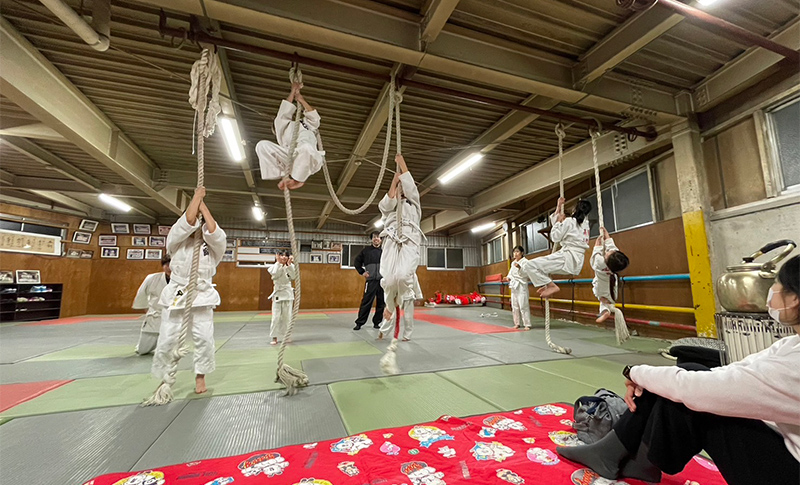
[503, 448]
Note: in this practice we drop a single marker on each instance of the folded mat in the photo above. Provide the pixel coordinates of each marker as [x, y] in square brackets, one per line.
[515, 447]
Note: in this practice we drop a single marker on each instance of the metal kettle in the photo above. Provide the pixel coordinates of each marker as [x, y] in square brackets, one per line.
[745, 286]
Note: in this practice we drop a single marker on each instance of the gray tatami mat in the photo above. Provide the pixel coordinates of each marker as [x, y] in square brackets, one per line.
[71, 448]
[232, 425]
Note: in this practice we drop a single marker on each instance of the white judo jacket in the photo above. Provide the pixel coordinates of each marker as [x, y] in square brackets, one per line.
[574, 241]
[601, 284]
[179, 246]
[412, 213]
[516, 278]
[282, 277]
[284, 127]
[147, 297]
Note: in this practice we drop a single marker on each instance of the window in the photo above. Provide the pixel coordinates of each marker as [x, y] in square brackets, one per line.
[349, 254]
[534, 241]
[445, 258]
[787, 143]
[31, 228]
[494, 251]
[627, 203]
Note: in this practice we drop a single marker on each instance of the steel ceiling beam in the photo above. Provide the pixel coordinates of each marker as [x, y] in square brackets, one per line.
[75, 204]
[34, 84]
[435, 16]
[36, 131]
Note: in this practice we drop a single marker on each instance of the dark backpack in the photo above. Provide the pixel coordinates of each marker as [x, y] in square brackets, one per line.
[595, 416]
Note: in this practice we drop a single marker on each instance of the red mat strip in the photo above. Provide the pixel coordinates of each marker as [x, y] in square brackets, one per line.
[503, 448]
[14, 394]
[463, 325]
[74, 320]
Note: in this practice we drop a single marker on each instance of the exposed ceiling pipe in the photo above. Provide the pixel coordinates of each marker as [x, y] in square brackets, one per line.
[96, 35]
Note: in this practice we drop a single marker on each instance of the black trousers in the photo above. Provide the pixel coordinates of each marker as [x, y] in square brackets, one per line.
[372, 291]
[746, 451]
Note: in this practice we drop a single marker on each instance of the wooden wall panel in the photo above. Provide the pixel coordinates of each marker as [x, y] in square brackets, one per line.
[75, 274]
[239, 288]
[113, 284]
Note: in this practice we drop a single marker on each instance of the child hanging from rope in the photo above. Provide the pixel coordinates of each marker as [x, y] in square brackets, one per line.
[173, 298]
[572, 233]
[518, 284]
[402, 239]
[283, 272]
[407, 307]
[273, 157]
[606, 261]
[147, 297]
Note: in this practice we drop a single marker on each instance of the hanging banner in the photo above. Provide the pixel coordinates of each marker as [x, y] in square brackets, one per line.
[24, 242]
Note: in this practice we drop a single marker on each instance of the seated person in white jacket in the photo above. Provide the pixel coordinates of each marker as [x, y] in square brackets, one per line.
[180, 242]
[745, 415]
[283, 272]
[273, 157]
[606, 261]
[147, 298]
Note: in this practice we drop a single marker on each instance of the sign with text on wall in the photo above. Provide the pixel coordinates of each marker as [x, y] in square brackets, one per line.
[23, 242]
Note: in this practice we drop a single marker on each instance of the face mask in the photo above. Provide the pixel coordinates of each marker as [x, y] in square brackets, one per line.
[775, 313]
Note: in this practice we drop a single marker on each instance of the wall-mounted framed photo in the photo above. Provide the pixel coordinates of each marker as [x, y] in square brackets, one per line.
[153, 254]
[139, 241]
[118, 228]
[316, 257]
[316, 245]
[158, 241]
[6, 277]
[87, 254]
[229, 256]
[87, 225]
[163, 230]
[73, 253]
[106, 240]
[81, 237]
[28, 276]
[141, 228]
[112, 253]
[336, 246]
[135, 254]
[334, 258]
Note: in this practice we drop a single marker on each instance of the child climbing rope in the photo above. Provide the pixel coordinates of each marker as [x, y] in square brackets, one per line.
[518, 284]
[402, 238]
[407, 308]
[606, 261]
[308, 159]
[173, 298]
[147, 297]
[572, 233]
[283, 272]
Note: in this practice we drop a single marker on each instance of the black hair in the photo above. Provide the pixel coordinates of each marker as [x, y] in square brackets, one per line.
[582, 209]
[520, 250]
[789, 275]
[283, 252]
[166, 259]
[617, 261]
[374, 233]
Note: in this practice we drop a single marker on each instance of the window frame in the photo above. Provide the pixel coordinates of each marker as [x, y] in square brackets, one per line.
[489, 252]
[445, 268]
[611, 184]
[773, 152]
[524, 232]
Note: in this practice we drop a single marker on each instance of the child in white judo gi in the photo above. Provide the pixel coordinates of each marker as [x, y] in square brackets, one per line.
[572, 233]
[606, 261]
[402, 239]
[147, 298]
[283, 272]
[518, 284]
[407, 307]
[180, 242]
[273, 157]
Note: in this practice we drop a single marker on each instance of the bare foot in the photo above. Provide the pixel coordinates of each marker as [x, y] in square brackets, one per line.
[274, 341]
[199, 384]
[294, 184]
[380, 335]
[549, 290]
[387, 315]
[406, 339]
[603, 317]
[527, 328]
[516, 326]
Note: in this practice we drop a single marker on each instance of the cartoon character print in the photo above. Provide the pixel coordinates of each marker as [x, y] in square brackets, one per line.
[352, 444]
[564, 438]
[421, 474]
[542, 456]
[510, 476]
[310, 446]
[447, 452]
[221, 481]
[503, 424]
[491, 451]
[149, 477]
[586, 476]
[313, 481]
[549, 410]
[567, 422]
[428, 435]
[349, 468]
[705, 463]
[487, 432]
[270, 464]
[529, 440]
[390, 448]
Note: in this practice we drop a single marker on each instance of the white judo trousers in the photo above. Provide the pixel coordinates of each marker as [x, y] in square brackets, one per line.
[148, 296]
[281, 314]
[273, 156]
[173, 298]
[147, 339]
[407, 307]
[282, 297]
[574, 241]
[521, 306]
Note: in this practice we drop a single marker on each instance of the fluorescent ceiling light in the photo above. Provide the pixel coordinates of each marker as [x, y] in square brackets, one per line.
[258, 213]
[461, 167]
[484, 227]
[379, 223]
[233, 140]
[115, 203]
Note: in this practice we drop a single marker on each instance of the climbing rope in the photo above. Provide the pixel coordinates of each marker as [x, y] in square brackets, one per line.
[620, 326]
[288, 376]
[394, 106]
[206, 78]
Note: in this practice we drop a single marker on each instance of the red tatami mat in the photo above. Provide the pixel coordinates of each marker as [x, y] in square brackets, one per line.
[463, 325]
[74, 320]
[14, 394]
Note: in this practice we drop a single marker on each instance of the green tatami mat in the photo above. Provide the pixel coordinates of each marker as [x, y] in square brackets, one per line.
[267, 317]
[101, 351]
[594, 372]
[4, 421]
[402, 400]
[516, 386]
[294, 353]
[639, 344]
